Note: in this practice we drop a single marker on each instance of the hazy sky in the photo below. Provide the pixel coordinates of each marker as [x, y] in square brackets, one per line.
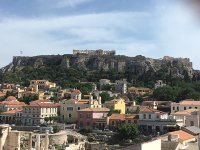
[153, 28]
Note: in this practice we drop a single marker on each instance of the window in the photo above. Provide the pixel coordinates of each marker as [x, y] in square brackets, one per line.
[177, 108]
[144, 116]
[190, 107]
[70, 115]
[69, 108]
[184, 108]
[88, 123]
[78, 108]
[80, 115]
[149, 116]
[129, 121]
[113, 122]
[158, 116]
[195, 107]
[191, 123]
[173, 108]
[88, 115]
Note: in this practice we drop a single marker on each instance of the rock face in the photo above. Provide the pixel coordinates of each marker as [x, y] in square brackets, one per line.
[139, 64]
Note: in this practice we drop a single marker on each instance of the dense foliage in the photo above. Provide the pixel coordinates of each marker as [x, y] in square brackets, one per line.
[180, 91]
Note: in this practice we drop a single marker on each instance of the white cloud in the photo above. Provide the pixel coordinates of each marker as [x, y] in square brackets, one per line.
[62, 34]
[169, 30]
[179, 33]
[62, 3]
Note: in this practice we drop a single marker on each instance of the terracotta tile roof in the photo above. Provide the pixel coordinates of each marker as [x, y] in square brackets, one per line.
[13, 103]
[11, 98]
[95, 109]
[147, 103]
[123, 116]
[185, 112]
[83, 101]
[43, 105]
[10, 112]
[131, 116]
[182, 135]
[2, 94]
[41, 101]
[117, 117]
[76, 92]
[189, 102]
[114, 101]
[150, 110]
[39, 80]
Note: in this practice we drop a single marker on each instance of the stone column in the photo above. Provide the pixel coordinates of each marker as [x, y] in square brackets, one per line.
[30, 141]
[37, 142]
[46, 142]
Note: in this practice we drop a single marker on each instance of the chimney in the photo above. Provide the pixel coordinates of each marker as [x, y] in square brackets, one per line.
[99, 100]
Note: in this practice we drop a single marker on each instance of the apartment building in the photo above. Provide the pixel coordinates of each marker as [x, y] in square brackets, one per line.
[70, 107]
[38, 85]
[36, 112]
[184, 105]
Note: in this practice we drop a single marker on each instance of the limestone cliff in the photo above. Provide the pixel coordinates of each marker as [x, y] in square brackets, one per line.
[139, 64]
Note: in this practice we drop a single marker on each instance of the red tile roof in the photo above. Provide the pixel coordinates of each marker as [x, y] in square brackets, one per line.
[185, 112]
[148, 110]
[189, 102]
[95, 109]
[43, 105]
[41, 101]
[76, 92]
[13, 102]
[11, 98]
[182, 135]
[117, 117]
[10, 112]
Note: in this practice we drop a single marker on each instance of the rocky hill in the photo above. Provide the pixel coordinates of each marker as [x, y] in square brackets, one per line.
[128, 66]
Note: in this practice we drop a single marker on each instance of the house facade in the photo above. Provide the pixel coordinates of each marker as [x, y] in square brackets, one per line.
[184, 105]
[11, 103]
[116, 104]
[93, 117]
[36, 112]
[152, 120]
[70, 107]
[38, 85]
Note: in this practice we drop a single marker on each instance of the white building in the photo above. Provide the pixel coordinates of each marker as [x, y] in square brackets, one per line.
[151, 120]
[36, 112]
[159, 83]
[184, 105]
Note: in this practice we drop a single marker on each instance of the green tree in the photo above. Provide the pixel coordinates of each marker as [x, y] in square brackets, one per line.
[128, 131]
[105, 97]
[46, 119]
[165, 93]
[54, 119]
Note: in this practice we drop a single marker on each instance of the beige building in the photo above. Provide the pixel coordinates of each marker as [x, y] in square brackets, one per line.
[183, 117]
[184, 105]
[38, 85]
[11, 103]
[139, 90]
[70, 107]
[36, 112]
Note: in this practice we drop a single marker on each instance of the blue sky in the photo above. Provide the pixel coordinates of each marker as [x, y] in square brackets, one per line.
[153, 28]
